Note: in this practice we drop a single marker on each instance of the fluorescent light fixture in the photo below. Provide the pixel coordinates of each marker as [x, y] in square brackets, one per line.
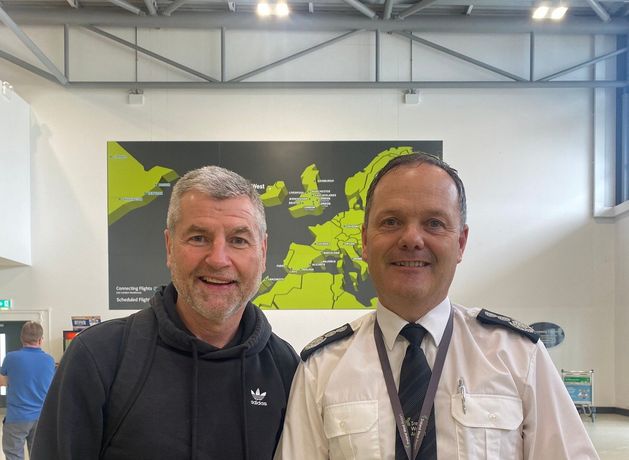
[264, 9]
[558, 13]
[540, 12]
[281, 9]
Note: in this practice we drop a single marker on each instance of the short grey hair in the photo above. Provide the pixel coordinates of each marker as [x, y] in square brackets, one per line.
[218, 183]
[417, 159]
[32, 332]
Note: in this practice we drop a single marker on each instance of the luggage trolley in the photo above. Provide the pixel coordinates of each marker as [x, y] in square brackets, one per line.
[579, 385]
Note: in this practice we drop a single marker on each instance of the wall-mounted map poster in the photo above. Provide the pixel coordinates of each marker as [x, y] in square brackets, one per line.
[313, 193]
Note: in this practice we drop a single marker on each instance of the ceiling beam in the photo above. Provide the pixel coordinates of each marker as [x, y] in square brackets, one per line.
[587, 63]
[328, 22]
[599, 10]
[352, 84]
[30, 67]
[150, 53]
[151, 6]
[362, 8]
[293, 56]
[461, 56]
[420, 5]
[173, 6]
[30, 44]
[388, 9]
[127, 6]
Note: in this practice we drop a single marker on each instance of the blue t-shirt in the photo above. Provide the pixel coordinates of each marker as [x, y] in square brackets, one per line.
[30, 372]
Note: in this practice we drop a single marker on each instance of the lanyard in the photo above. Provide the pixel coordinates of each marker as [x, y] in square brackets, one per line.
[424, 415]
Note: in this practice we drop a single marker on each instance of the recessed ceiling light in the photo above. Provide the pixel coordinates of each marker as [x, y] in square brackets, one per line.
[263, 9]
[540, 12]
[558, 13]
[281, 9]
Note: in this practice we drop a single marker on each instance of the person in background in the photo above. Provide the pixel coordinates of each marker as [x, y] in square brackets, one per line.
[422, 377]
[214, 380]
[27, 373]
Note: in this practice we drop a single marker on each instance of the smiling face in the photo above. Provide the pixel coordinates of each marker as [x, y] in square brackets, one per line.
[216, 255]
[414, 238]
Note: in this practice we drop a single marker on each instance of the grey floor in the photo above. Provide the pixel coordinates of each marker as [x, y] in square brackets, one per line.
[609, 433]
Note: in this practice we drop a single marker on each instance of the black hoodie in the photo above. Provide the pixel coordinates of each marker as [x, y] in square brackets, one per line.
[198, 402]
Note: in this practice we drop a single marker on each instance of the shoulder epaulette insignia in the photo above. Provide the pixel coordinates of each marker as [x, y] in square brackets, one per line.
[488, 317]
[326, 339]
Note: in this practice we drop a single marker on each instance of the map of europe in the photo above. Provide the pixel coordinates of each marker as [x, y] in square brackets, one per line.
[313, 193]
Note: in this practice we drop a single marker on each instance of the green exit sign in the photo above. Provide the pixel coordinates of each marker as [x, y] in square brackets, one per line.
[5, 303]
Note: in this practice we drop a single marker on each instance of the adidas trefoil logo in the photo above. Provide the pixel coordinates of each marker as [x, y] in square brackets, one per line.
[258, 398]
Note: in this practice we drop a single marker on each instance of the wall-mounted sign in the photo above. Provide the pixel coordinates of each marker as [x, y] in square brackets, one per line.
[314, 198]
[83, 322]
[5, 304]
[550, 334]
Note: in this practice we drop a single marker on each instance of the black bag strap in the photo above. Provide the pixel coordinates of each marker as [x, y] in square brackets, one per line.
[134, 362]
[279, 350]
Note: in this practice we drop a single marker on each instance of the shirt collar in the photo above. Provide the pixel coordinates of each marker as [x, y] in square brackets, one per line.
[434, 322]
[28, 348]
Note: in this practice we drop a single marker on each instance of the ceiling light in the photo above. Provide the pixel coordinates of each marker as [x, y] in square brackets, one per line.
[264, 9]
[281, 9]
[558, 13]
[540, 12]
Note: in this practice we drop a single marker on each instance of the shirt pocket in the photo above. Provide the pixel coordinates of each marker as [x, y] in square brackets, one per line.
[352, 430]
[489, 427]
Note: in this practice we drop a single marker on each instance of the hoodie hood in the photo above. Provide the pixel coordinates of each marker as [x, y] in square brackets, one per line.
[253, 334]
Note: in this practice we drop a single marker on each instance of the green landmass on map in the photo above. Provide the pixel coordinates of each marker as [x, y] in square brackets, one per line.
[301, 257]
[130, 186]
[309, 202]
[309, 292]
[275, 194]
[309, 282]
[341, 236]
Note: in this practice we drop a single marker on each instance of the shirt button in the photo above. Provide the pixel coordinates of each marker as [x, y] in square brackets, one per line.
[342, 424]
[492, 417]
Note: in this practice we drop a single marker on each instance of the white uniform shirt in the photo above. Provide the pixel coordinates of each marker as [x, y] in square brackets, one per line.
[516, 405]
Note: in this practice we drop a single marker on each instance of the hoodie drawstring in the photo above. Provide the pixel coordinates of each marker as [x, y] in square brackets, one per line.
[245, 437]
[194, 409]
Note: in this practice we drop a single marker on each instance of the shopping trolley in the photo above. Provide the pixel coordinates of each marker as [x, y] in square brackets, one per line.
[580, 387]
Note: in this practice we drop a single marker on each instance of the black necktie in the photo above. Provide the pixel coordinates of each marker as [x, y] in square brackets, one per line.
[414, 380]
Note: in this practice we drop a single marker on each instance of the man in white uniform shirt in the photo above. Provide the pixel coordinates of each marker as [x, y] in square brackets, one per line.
[495, 391]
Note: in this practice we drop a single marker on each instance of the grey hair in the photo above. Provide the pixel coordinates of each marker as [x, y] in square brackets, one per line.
[31, 333]
[417, 159]
[218, 183]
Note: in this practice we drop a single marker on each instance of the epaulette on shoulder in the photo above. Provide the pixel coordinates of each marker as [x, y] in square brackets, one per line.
[326, 339]
[489, 317]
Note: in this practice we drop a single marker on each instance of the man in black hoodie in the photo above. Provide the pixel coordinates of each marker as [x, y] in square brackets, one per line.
[213, 381]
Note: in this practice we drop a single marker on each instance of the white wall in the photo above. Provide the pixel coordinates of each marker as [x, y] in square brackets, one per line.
[534, 250]
[622, 311]
[15, 164]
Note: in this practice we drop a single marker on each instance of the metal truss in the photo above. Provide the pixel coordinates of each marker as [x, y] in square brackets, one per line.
[403, 26]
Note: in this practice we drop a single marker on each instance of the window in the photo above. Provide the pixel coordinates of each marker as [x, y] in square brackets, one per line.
[622, 126]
